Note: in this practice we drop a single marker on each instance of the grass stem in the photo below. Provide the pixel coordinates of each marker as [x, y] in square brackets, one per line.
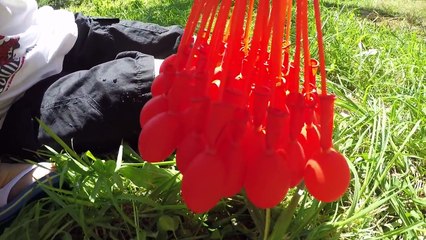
[267, 223]
[283, 221]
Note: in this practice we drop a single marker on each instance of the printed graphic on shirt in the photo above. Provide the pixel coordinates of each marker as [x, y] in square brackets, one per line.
[10, 61]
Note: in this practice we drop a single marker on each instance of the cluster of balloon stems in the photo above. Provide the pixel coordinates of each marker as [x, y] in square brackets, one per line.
[230, 103]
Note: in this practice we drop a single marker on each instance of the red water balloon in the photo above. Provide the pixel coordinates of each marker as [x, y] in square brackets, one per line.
[219, 116]
[296, 162]
[193, 139]
[203, 182]
[310, 140]
[310, 135]
[267, 176]
[235, 168]
[231, 150]
[192, 145]
[152, 108]
[159, 137]
[162, 83]
[253, 144]
[169, 64]
[327, 176]
[267, 180]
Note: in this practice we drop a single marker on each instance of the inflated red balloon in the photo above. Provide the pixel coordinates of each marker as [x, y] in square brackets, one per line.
[169, 64]
[253, 144]
[194, 140]
[267, 180]
[180, 94]
[152, 108]
[162, 133]
[295, 153]
[203, 182]
[296, 162]
[162, 84]
[164, 81]
[192, 144]
[327, 176]
[235, 168]
[220, 115]
[231, 150]
[160, 136]
[309, 139]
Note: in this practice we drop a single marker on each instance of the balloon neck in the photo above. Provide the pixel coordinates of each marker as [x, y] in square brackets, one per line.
[274, 127]
[326, 107]
[261, 95]
[234, 97]
[220, 115]
[310, 105]
[296, 106]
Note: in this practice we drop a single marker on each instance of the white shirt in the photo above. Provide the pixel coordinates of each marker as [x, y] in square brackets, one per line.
[35, 52]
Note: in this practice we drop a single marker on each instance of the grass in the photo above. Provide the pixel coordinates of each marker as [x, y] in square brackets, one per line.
[392, 12]
[377, 71]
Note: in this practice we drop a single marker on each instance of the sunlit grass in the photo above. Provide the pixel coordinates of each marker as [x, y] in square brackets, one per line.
[394, 11]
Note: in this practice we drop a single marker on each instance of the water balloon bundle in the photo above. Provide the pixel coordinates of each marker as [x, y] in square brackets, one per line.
[242, 110]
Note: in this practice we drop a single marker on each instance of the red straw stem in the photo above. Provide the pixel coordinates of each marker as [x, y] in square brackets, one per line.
[286, 60]
[237, 21]
[248, 25]
[262, 52]
[212, 17]
[276, 58]
[278, 13]
[266, 36]
[289, 5]
[208, 13]
[258, 32]
[307, 57]
[234, 44]
[320, 48]
[262, 49]
[218, 34]
[294, 81]
[216, 42]
[191, 24]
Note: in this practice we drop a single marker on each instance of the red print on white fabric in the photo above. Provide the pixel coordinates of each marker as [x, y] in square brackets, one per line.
[10, 63]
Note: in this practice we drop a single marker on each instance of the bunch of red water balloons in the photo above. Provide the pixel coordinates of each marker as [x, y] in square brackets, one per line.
[231, 105]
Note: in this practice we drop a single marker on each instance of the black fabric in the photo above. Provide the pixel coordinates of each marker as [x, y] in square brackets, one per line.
[101, 39]
[95, 101]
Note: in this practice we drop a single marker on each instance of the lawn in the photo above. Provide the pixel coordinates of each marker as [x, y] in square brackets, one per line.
[376, 53]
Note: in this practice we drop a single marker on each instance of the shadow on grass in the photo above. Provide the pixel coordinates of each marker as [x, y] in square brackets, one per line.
[378, 15]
